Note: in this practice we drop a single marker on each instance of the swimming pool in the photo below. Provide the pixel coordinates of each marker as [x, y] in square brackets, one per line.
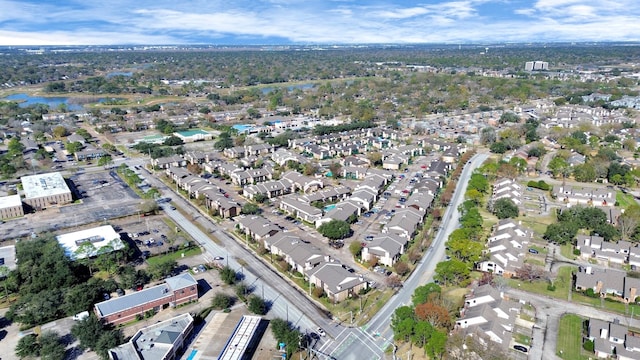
[329, 207]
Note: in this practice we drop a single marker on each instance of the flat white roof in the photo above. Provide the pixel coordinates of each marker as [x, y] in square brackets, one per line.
[10, 201]
[36, 186]
[239, 342]
[99, 237]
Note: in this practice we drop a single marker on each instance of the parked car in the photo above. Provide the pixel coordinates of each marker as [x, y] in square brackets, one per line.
[321, 332]
[120, 292]
[533, 251]
[520, 348]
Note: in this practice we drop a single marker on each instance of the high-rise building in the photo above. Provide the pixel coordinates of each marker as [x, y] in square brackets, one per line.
[536, 65]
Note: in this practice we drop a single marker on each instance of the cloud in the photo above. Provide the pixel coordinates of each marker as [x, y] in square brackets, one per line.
[314, 21]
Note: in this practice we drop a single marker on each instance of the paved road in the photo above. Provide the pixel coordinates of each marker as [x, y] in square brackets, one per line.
[548, 313]
[380, 324]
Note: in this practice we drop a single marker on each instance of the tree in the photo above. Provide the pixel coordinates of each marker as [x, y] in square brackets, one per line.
[105, 161]
[628, 221]
[108, 340]
[584, 173]
[28, 346]
[173, 141]
[479, 182]
[224, 141]
[453, 271]
[355, 248]
[221, 301]
[51, 346]
[335, 169]
[505, 208]
[558, 166]
[488, 136]
[257, 305]
[375, 157]
[60, 131]
[249, 209]
[561, 232]
[73, 147]
[402, 322]
[15, 147]
[401, 268]
[393, 281]
[335, 229]
[436, 315]
[149, 207]
[228, 275]
[310, 169]
[162, 269]
[425, 292]
[530, 272]
[498, 147]
[437, 343]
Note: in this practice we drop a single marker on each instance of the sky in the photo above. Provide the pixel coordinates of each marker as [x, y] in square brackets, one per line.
[309, 22]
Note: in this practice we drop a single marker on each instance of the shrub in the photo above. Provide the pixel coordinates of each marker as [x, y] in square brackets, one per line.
[588, 345]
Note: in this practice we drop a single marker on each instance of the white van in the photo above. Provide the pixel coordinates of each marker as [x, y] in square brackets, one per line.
[81, 316]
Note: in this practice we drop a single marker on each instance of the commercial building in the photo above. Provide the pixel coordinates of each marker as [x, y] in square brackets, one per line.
[194, 135]
[90, 242]
[174, 291]
[44, 190]
[244, 340]
[536, 65]
[161, 341]
[11, 207]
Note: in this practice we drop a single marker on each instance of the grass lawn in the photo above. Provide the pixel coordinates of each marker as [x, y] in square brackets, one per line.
[624, 200]
[569, 346]
[522, 339]
[174, 255]
[566, 250]
[562, 283]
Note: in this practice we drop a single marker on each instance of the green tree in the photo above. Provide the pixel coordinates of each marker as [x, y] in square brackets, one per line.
[402, 322]
[221, 301]
[228, 275]
[51, 346]
[561, 232]
[505, 208]
[162, 269]
[452, 272]
[224, 141]
[558, 166]
[105, 160]
[14, 147]
[335, 229]
[173, 141]
[249, 209]
[84, 133]
[257, 305]
[425, 292]
[108, 340]
[28, 346]
[437, 344]
[464, 249]
[73, 147]
[88, 331]
[498, 147]
[584, 173]
[479, 182]
[355, 248]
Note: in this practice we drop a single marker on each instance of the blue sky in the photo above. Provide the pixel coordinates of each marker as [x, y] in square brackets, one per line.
[120, 22]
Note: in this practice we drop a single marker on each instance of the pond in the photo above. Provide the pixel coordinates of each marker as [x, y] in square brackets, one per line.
[289, 88]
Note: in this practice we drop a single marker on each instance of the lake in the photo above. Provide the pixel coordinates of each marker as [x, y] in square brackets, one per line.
[25, 100]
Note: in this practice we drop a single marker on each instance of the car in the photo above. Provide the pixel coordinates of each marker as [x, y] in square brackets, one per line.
[120, 292]
[106, 296]
[218, 258]
[195, 269]
[321, 332]
[367, 214]
[521, 348]
[368, 237]
[146, 254]
[533, 251]
[172, 207]
[202, 268]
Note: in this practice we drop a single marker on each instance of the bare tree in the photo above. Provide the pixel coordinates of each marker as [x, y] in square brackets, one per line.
[530, 273]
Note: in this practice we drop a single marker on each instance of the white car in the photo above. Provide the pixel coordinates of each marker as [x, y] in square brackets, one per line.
[321, 332]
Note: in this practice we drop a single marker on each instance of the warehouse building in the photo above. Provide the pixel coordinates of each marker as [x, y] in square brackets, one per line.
[45, 190]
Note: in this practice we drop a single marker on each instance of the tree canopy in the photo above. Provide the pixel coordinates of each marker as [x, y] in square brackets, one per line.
[335, 229]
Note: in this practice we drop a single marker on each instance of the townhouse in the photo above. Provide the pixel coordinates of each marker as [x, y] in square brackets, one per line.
[613, 340]
[386, 249]
[488, 314]
[404, 222]
[506, 248]
[595, 247]
[607, 282]
[292, 205]
[584, 196]
[336, 281]
[257, 227]
[507, 189]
